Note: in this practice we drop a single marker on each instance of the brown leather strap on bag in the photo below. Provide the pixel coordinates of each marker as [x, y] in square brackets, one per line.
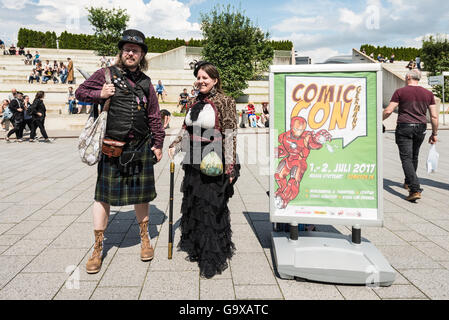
[107, 76]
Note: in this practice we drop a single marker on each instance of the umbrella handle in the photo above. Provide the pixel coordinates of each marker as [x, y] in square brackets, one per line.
[170, 213]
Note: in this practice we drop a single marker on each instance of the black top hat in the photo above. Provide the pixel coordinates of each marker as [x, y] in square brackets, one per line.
[133, 36]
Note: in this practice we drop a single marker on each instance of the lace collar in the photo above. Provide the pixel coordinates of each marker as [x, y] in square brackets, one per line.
[210, 94]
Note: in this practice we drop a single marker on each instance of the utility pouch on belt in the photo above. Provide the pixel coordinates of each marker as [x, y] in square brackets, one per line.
[112, 148]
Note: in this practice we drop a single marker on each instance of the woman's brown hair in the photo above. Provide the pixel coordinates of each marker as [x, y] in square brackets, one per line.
[211, 71]
[39, 95]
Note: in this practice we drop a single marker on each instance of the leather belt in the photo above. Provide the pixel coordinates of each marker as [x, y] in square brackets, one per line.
[411, 124]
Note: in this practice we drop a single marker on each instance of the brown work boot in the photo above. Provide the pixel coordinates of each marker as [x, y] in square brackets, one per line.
[146, 251]
[413, 196]
[93, 265]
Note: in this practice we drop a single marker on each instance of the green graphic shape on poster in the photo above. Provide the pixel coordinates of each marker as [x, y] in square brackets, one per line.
[326, 148]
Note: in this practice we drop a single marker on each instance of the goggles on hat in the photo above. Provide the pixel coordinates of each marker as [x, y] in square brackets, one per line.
[132, 38]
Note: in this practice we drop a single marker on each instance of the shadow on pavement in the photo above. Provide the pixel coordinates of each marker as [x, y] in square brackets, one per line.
[435, 184]
[388, 184]
[262, 228]
[126, 234]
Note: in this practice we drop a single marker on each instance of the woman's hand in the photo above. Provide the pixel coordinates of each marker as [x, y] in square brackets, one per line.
[230, 179]
[171, 153]
[107, 91]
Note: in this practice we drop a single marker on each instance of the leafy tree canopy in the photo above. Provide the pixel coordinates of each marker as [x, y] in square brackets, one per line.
[435, 56]
[108, 26]
[240, 50]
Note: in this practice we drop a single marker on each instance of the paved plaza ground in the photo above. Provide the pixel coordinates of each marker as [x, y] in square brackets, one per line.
[46, 236]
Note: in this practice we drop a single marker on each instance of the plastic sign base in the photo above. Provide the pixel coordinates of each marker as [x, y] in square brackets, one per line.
[332, 258]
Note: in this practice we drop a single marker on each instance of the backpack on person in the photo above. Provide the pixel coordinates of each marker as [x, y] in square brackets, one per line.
[7, 114]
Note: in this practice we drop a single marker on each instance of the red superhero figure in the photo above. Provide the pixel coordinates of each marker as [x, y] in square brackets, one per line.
[295, 146]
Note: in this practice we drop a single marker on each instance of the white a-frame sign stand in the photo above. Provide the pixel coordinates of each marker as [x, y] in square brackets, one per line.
[326, 169]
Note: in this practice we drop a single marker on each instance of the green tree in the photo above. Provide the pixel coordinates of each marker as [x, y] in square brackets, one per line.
[404, 54]
[435, 56]
[108, 27]
[240, 50]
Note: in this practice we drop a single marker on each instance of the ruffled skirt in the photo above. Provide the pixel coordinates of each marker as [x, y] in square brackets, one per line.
[205, 222]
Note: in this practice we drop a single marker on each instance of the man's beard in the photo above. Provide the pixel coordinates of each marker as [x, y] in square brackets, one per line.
[135, 64]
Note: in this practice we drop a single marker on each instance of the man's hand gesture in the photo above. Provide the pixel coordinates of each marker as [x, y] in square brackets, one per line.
[107, 91]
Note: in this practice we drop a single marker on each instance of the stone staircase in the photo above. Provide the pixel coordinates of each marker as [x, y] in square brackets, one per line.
[399, 68]
[14, 74]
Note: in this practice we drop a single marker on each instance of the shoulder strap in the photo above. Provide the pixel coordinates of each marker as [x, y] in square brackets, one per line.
[107, 76]
[145, 89]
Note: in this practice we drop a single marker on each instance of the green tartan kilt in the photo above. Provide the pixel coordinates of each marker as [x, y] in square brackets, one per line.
[119, 188]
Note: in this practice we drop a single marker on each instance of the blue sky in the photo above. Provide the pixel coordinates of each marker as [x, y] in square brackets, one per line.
[320, 28]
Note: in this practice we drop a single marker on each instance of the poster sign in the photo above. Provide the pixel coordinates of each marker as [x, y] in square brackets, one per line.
[326, 144]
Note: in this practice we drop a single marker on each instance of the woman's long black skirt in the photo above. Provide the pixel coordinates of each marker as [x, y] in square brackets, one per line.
[118, 186]
[205, 222]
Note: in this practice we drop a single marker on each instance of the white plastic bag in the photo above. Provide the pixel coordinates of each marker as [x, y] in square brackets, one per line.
[432, 159]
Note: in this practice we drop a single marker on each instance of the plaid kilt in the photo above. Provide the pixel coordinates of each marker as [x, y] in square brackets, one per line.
[120, 189]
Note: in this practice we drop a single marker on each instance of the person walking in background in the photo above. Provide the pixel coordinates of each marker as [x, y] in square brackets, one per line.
[27, 117]
[133, 115]
[17, 108]
[70, 71]
[160, 90]
[12, 95]
[6, 115]
[38, 111]
[418, 62]
[412, 101]
[205, 221]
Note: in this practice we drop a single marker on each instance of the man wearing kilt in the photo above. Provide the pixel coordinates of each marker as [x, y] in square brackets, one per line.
[126, 177]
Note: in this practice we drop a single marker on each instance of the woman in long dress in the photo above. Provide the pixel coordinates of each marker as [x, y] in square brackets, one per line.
[210, 124]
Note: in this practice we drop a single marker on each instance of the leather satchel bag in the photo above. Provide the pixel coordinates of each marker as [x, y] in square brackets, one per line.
[91, 138]
[112, 148]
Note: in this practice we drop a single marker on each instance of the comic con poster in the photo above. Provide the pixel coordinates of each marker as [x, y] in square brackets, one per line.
[325, 145]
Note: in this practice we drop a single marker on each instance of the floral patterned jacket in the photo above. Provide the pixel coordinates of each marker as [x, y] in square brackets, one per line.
[227, 118]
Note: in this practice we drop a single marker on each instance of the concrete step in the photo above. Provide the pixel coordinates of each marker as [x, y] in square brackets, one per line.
[14, 74]
[20, 61]
[74, 122]
[401, 73]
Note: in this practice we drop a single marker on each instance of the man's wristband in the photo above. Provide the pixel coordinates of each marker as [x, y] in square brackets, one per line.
[434, 134]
